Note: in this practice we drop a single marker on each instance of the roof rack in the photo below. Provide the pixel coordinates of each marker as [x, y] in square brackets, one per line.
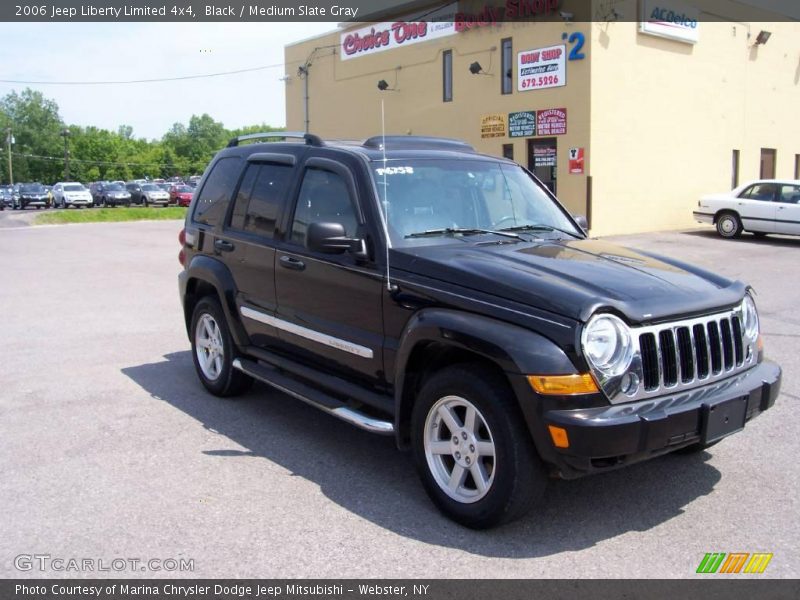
[417, 142]
[310, 138]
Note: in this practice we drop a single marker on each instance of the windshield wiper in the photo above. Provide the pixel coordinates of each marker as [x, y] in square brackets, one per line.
[540, 228]
[462, 230]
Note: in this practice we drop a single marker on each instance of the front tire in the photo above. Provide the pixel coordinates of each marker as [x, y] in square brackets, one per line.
[729, 226]
[473, 453]
[213, 351]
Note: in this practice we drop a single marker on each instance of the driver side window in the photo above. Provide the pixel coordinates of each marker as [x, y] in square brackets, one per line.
[323, 198]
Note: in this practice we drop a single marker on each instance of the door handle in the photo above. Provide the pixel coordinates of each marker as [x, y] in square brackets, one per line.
[292, 263]
[223, 245]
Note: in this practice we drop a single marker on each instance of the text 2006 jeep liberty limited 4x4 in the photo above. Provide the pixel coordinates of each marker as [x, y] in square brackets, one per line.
[413, 287]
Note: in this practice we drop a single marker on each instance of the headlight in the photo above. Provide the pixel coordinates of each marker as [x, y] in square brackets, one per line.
[749, 317]
[607, 344]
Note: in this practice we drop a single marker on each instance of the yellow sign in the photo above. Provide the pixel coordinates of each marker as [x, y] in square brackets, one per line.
[493, 126]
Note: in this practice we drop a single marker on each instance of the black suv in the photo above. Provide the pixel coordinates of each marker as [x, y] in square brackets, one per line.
[412, 287]
[31, 194]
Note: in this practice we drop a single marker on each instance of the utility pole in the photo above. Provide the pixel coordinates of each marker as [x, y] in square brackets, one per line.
[302, 71]
[10, 140]
[65, 134]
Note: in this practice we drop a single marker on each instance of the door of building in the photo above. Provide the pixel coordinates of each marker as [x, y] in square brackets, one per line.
[542, 154]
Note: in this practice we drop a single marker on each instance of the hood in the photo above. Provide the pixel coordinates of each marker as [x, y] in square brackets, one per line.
[574, 278]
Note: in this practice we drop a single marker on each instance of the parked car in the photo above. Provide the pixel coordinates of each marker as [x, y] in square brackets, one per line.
[147, 194]
[31, 194]
[71, 193]
[111, 194]
[180, 195]
[6, 196]
[415, 288]
[761, 207]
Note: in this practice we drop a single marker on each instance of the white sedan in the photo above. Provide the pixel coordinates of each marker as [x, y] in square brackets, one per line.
[762, 207]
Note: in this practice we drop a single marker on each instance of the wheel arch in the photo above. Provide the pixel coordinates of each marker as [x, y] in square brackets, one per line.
[206, 276]
[437, 338]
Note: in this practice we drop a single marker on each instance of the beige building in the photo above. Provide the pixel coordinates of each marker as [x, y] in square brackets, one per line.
[630, 115]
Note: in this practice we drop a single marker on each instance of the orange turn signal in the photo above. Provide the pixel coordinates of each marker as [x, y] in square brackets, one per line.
[564, 385]
[559, 435]
[760, 344]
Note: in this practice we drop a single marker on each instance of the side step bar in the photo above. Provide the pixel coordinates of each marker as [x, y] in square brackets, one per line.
[311, 396]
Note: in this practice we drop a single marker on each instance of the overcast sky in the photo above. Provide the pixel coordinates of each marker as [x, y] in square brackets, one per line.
[126, 51]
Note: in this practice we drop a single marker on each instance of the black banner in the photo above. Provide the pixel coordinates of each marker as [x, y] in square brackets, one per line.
[429, 589]
[338, 11]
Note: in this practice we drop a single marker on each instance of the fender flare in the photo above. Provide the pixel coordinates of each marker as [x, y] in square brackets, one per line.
[514, 349]
[215, 273]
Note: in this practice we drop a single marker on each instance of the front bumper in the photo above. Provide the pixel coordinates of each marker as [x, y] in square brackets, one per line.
[608, 437]
[703, 217]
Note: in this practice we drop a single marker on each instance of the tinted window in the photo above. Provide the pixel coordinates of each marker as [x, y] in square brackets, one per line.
[213, 200]
[73, 188]
[114, 187]
[260, 199]
[323, 198]
[760, 191]
[790, 194]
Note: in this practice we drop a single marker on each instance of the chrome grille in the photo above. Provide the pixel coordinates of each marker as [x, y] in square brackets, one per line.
[689, 353]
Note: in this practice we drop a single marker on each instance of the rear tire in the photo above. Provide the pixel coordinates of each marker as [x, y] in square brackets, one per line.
[213, 351]
[728, 225]
[473, 453]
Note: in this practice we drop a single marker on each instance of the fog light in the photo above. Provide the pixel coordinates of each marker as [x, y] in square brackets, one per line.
[559, 435]
[629, 384]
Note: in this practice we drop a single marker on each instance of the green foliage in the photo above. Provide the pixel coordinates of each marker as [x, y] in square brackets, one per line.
[98, 154]
[97, 215]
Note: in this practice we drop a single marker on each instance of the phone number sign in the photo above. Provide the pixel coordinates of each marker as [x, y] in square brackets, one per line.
[542, 68]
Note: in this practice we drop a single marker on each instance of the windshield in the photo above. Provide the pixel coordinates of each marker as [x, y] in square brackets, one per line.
[426, 199]
[36, 188]
[74, 187]
[150, 188]
[114, 187]
[183, 189]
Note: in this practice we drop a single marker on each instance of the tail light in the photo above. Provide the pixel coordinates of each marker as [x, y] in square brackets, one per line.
[182, 242]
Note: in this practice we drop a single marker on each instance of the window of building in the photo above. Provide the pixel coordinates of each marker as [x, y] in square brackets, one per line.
[508, 151]
[447, 76]
[735, 169]
[506, 68]
[797, 166]
[260, 199]
[323, 198]
[768, 163]
[213, 200]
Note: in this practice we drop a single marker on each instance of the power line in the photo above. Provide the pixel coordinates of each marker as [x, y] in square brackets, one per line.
[128, 81]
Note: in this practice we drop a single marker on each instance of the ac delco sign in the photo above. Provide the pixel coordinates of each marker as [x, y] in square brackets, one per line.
[387, 36]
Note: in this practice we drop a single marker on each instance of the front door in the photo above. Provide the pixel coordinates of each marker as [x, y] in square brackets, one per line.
[329, 305]
[542, 155]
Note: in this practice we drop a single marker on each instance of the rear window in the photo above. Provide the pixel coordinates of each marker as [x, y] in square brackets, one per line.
[212, 202]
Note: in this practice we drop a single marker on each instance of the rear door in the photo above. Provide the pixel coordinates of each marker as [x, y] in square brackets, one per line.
[787, 210]
[329, 305]
[249, 238]
[756, 207]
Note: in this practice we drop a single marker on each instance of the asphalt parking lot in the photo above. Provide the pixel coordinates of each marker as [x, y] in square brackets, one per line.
[111, 448]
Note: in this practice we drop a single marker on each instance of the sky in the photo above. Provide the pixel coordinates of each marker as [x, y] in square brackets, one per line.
[128, 51]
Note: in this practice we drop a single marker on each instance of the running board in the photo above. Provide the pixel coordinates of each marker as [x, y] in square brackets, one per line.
[311, 396]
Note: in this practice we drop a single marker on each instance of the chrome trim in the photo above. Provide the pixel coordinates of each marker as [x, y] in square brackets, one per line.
[309, 334]
[611, 385]
[349, 415]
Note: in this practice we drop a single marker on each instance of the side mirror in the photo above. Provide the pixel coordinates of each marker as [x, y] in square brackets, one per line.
[329, 238]
[581, 220]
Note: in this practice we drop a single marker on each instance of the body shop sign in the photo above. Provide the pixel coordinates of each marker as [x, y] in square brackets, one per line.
[552, 121]
[542, 68]
[522, 124]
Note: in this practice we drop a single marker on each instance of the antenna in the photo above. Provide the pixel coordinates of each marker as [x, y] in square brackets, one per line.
[385, 203]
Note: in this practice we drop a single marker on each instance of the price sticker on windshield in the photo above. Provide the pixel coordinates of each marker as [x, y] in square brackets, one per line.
[395, 170]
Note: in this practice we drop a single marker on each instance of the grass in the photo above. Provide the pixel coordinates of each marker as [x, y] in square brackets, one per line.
[100, 215]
